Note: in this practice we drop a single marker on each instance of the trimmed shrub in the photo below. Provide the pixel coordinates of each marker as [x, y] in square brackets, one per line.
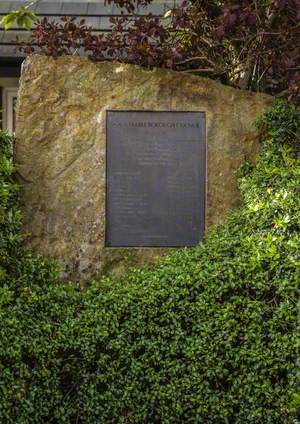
[10, 217]
[207, 336]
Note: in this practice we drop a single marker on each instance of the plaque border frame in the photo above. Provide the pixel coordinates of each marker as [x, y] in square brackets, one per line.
[106, 179]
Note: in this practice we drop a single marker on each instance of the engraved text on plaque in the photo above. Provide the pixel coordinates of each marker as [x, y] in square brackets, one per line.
[156, 177]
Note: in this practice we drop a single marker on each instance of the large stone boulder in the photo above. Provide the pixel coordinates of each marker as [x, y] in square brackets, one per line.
[60, 150]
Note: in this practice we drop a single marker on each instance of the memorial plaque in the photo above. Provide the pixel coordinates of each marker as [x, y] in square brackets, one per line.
[155, 178]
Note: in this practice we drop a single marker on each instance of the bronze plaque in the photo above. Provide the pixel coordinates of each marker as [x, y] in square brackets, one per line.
[155, 178]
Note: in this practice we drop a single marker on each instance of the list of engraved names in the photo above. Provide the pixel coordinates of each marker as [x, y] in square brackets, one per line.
[155, 178]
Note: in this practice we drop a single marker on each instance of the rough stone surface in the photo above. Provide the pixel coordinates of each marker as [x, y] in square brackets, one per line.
[60, 150]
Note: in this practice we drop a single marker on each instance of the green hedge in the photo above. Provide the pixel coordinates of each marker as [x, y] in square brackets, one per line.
[207, 336]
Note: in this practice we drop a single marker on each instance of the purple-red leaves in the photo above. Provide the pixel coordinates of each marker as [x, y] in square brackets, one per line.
[245, 44]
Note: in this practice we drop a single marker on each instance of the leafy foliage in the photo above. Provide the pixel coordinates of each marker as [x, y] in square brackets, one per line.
[130, 5]
[17, 267]
[250, 44]
[209, 335]
[22, 18]
[9, 212]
